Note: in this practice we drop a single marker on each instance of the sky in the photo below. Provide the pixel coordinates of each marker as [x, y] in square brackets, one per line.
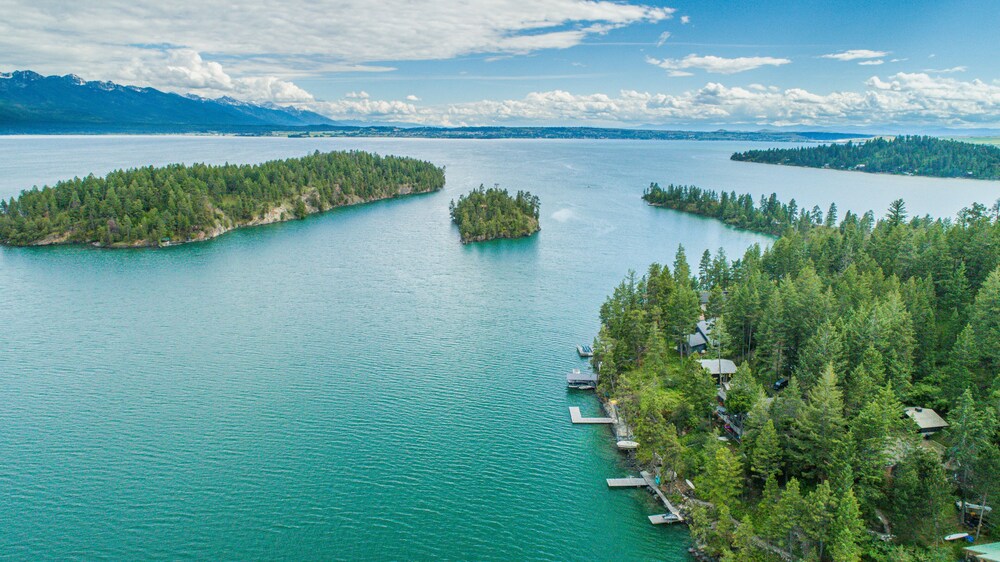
[879, 66]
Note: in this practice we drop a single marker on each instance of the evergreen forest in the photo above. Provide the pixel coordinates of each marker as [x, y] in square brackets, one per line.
[486, 214]
[910, 155]
[862, 318]
[179, 203]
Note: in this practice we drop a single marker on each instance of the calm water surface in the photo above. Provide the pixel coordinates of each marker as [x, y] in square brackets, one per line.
[355, 385]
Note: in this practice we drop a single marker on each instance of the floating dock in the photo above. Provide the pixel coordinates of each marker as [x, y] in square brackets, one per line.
[664, 518]
[626, 482]
[584, 351]
[574, 415]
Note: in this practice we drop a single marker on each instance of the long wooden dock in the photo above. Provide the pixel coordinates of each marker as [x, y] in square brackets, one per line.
[574, 415]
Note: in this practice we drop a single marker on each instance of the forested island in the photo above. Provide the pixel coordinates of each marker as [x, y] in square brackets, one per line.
[180, 203]
[907, 155]
[770, 217]
[487, 214]
[805, 453]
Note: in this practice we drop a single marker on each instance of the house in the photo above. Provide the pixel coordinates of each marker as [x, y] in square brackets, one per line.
[700, 340]
[928, 421]
[721, 369]
[983, 552]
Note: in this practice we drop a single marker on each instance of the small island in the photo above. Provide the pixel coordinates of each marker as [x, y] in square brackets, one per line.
[904, 155]
[487, 214]
[178, 203]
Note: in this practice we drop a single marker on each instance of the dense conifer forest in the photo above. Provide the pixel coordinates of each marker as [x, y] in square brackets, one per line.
[485, 214]
[911, 155]
[863, 318]
[179, 203]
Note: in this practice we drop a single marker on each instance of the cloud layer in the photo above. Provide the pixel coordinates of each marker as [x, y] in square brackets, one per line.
[913, 98]
[279, 39]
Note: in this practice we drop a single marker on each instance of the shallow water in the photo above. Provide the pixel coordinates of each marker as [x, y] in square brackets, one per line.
[357, 384]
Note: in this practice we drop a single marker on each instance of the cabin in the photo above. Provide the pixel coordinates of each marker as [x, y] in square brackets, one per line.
[721, 369]
[700, 340]
[928, 421]
[583, 381]
[989, 552]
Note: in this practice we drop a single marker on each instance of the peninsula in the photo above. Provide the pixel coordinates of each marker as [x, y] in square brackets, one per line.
[486, 214]
[189, 203]
[906, 155]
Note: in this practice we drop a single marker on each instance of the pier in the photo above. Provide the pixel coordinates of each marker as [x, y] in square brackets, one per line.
[574, 415]
[647, 480]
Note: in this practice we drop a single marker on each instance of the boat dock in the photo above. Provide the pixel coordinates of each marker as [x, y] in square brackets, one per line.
[675, 514]
[584, 351]
[626, 482]
[647, 480]
[574, 415]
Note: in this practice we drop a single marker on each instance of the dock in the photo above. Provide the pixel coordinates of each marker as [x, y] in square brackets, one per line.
[584, 351]
[674, 512]
[574, 415]
[626, 482]
[647, 480]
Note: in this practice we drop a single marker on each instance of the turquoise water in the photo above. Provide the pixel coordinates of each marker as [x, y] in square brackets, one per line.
[357, 385]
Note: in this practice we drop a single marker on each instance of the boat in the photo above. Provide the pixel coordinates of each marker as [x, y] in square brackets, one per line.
[584, 351]
[627, 445]
[956, 536]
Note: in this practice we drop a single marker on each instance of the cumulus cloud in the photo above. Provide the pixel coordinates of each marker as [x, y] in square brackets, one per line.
[412, 97]
[855, 54]
[912, 98]
[184, 70]
[685, 20]
[718, 65]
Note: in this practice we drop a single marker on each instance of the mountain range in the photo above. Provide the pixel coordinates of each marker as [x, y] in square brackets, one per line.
[32, 103]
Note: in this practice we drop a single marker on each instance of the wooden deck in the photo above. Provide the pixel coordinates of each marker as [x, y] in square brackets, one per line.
[574, 415]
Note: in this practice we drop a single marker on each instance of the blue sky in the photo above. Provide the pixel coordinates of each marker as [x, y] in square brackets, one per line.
[885, 66]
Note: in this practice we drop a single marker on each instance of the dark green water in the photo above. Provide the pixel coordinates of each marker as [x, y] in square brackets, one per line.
[357, 385]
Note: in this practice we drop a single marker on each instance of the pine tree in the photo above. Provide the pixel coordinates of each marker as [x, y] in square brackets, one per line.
[817, 436]
[986, 321]
[722, 479]
[765, 462]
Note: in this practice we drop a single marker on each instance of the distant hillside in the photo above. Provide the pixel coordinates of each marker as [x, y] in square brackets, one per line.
[908, 155]
[32, 103]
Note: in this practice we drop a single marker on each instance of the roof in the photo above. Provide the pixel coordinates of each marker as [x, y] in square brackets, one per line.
[718, 366]
[990, 551]
[704, 328]
[926, 418]
[577, 376]
[696, 339]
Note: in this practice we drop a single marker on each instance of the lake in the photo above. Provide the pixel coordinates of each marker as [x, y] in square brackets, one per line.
[356, 385]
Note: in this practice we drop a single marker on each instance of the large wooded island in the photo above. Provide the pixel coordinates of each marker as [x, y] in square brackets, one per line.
[180, 203]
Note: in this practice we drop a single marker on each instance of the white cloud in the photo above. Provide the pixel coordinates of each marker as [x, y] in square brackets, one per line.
[412, 97]
[946, 70]
[685, 20]
[357, 95]
[184, 70]
[903, 98]
[288, 39]
[855, 54]
[663, 38]
[875, 62]
[718, 65]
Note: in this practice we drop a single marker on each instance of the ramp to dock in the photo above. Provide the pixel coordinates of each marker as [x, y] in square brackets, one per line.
[574, 414]
[676, 513]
